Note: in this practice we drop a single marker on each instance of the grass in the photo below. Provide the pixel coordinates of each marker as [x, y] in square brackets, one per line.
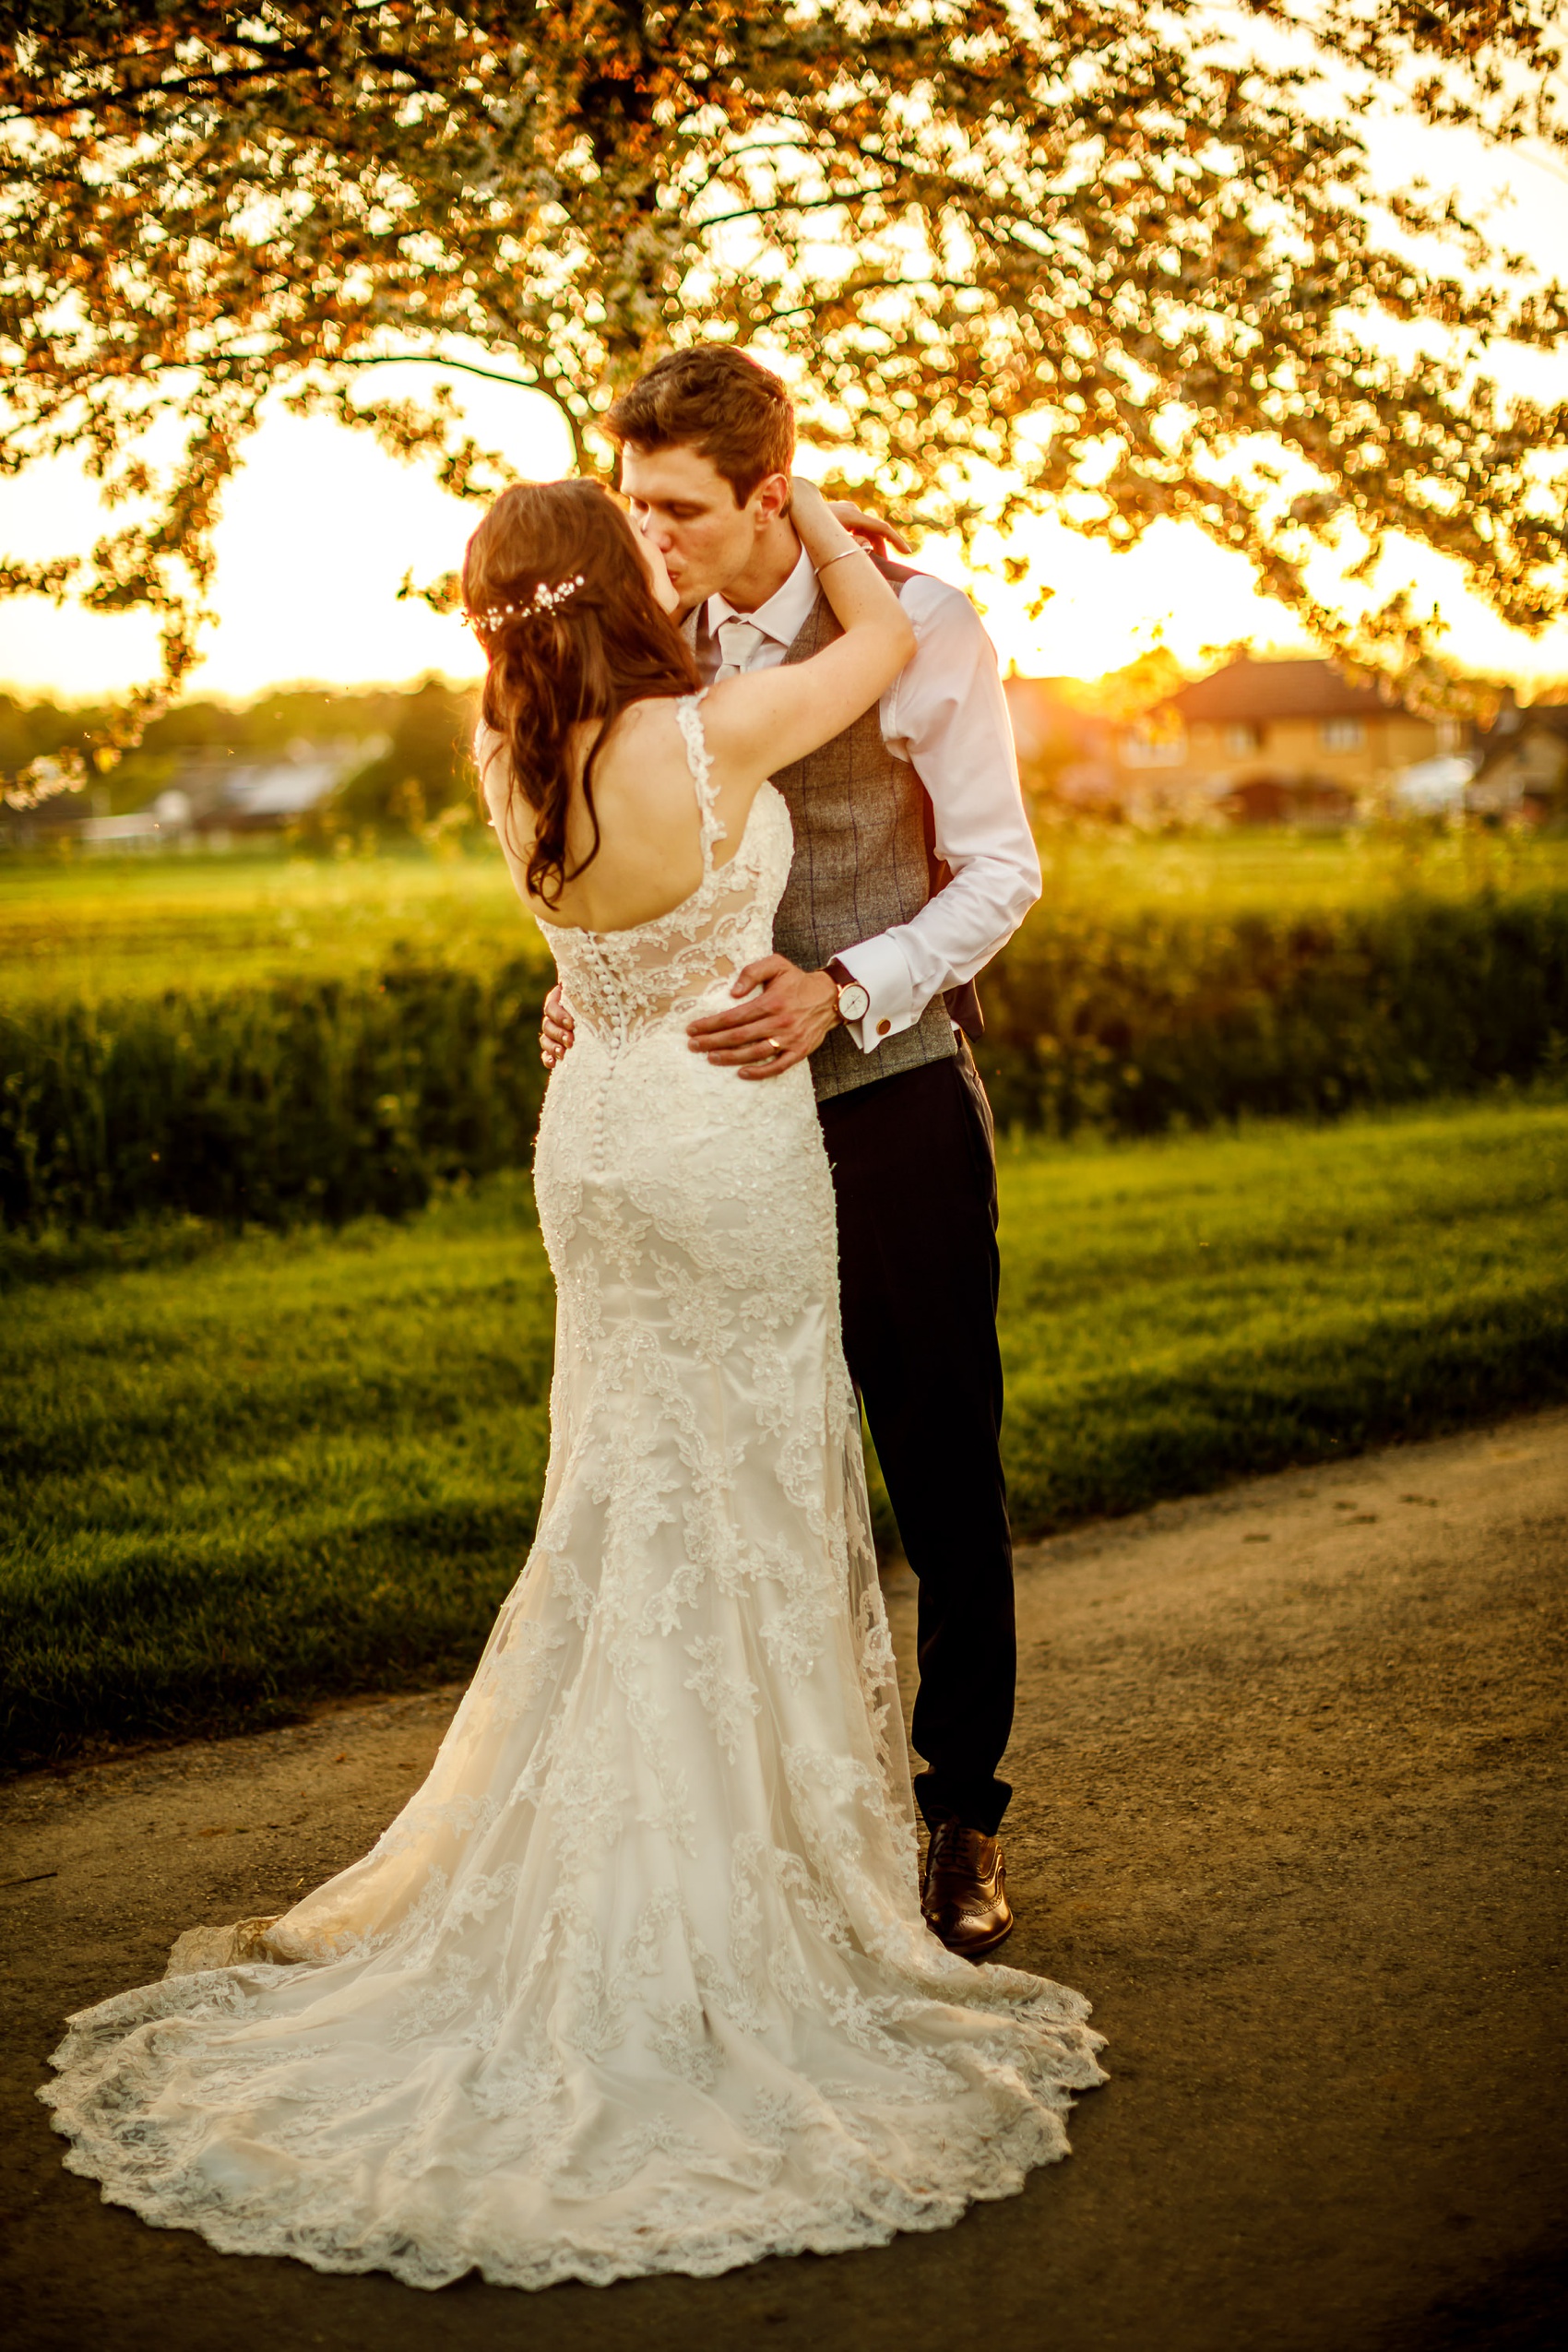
[1180, 1314]
[1264, 870]
[97, 928]
[249, 1473]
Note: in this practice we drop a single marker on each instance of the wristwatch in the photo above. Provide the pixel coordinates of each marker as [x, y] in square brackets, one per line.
[854, 998]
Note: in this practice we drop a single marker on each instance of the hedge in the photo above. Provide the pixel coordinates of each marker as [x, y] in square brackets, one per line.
[1151, 1023]
[331, 1098]
[325, 1099]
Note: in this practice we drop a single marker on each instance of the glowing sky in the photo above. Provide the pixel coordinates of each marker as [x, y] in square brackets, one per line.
[321, 527]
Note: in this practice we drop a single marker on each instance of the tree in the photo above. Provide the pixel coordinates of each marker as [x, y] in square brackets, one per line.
[1081, 255]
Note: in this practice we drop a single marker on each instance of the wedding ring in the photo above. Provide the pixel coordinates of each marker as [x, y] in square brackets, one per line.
[773, 1042]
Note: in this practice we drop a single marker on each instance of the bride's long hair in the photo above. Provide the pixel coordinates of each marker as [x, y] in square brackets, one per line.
[557, 592]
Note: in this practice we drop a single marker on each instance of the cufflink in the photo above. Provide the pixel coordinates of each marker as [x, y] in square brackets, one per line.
[883, 1028]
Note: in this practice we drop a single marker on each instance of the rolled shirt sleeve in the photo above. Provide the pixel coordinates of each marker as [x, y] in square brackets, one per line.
[945, 713]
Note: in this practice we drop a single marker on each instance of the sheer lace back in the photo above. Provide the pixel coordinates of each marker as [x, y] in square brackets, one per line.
[620, 984]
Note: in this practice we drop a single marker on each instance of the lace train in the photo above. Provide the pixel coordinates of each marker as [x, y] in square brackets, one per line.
[638, 1981]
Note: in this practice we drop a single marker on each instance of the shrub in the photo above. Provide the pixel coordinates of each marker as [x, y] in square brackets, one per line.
[330, 1098]
[1151, 1022]
[325, 1098]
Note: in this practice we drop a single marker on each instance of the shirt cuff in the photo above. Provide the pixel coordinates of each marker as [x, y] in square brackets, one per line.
[883, 971]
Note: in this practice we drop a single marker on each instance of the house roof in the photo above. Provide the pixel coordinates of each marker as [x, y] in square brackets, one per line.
[1249, 689]
[275, 784]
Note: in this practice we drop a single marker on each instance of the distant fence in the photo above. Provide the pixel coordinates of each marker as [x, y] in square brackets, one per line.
[331, 1098]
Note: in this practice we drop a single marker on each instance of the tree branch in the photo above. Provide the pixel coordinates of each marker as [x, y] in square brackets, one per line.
[281, 63]
[110, 101]
[421, 359]
[220, 370]
[792, 203]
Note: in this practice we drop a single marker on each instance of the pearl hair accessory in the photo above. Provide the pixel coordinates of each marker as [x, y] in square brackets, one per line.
[544, 600]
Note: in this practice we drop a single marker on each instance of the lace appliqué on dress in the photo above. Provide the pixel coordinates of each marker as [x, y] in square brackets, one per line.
[638, 1981]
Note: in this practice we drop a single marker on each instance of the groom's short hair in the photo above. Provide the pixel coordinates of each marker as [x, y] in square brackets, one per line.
[718, 402]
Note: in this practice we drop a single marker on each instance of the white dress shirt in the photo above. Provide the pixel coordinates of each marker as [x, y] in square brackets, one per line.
[945, 714]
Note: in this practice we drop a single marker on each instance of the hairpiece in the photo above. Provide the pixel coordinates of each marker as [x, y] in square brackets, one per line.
[544, 600]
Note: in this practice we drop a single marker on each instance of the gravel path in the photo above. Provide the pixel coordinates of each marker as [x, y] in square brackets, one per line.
[1289, 1809]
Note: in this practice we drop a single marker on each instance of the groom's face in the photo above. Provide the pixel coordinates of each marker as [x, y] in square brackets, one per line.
[682, 503]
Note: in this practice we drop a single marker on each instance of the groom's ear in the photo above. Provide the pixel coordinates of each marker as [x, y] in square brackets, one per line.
[771, 497]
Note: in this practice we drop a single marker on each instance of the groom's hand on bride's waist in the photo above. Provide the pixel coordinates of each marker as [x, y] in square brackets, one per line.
[785, 1015]
[555, 1029]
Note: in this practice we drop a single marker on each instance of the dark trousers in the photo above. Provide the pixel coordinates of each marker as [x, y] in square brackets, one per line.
[914, 1168]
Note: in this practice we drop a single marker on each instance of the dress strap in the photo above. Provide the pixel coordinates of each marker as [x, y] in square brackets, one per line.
[688, 718]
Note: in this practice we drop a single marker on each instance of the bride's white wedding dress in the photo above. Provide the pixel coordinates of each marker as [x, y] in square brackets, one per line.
[638, 1981]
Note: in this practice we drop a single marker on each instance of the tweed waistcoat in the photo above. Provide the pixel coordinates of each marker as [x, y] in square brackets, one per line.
[863, 864]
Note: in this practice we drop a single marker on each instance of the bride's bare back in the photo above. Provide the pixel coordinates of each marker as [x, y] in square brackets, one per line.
[649, 856]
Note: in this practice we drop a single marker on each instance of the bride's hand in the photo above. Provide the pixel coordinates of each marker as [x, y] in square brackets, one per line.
[822, 529]
[870, 529]
[809, 511]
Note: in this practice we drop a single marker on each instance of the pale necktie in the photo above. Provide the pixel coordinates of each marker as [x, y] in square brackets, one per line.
[738, 641]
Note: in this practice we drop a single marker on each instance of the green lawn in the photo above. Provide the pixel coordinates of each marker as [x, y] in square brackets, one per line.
[1180, 1315]
[246, 1474]
[97, 928]
[1287, 870]
[100, 929]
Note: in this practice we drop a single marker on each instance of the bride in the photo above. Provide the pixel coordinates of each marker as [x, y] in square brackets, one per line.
[638, 1981]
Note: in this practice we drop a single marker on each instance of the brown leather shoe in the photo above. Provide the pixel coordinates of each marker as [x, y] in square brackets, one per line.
[963, 1894]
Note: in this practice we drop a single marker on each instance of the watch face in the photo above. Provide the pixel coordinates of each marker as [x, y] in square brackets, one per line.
[854, 1002]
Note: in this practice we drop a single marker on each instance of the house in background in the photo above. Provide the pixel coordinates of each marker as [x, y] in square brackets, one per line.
[1258, 743]
[1279, 743]
[212, 794]
[217, 792]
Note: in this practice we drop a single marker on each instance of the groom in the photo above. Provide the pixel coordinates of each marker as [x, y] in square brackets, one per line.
[913, 865]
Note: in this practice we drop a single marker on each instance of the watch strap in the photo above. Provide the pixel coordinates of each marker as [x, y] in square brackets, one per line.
[843, 979]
